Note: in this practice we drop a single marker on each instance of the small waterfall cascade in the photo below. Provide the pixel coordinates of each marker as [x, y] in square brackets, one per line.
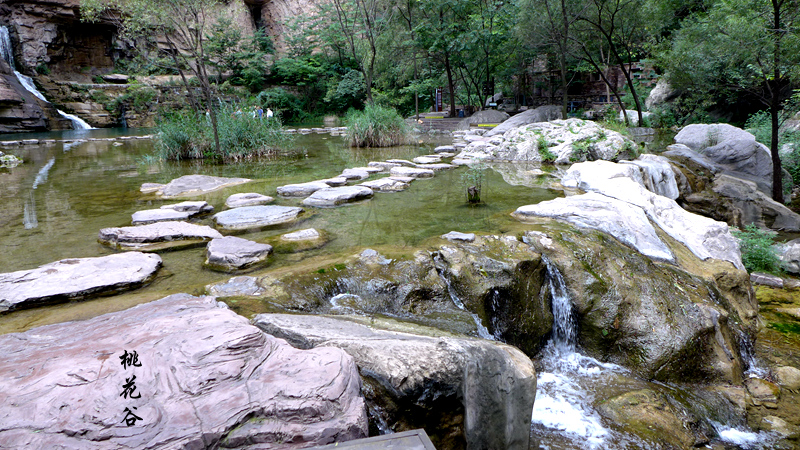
[564, 328]
[753, 369]
[7, 52]
[482, 330]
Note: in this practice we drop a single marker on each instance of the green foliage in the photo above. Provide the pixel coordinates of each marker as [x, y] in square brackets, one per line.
[42, 69]
[758, 253]
[375, 126]
[346, 93]
[544, 150]
[245, 60]
[188, 135]
[286, 105]
[580, 150]
[760, 125]
[472, 179]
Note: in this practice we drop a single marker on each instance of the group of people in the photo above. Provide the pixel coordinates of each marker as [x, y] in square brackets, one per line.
[257, 112]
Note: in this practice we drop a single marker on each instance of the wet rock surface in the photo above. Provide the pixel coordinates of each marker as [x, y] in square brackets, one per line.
[74, 279]
[205, 378]
[337, 196]
[190, 185]
[301, 189]
[247, 199]
[157, 236]
[158, 215]
[473, 393]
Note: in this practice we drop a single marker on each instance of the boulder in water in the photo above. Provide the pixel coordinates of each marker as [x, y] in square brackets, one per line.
[157, 236]
[541, 114]
[231, 253]
[331, 197]
[247, 199]
[256, 217]
[190, 185]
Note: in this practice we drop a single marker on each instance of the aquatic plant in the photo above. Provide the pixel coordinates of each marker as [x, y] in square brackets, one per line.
[375, 126]
[758, 252]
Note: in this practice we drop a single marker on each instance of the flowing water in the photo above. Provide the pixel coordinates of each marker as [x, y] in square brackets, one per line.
[7, 53]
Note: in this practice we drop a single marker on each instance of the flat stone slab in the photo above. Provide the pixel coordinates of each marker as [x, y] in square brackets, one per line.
[158, 215]
[198, 207]
[456, 236]
[196, 375]
[403, 179]
[358, 173]
[149, 188]
[402, 162]
[302, 235]
[384, 166]
[256, 216]
[189, 185]
[445, 149]
[427, 160]
[77, 278]
[412, 172]
[436, 167]
[337, 196]
[236, 286]
[157, 236]
[335, 181]
[247, 199]
[386, 185]
[233, 253]
[301, 189]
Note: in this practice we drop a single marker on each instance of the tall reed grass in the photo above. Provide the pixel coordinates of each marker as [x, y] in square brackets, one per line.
[376, 126]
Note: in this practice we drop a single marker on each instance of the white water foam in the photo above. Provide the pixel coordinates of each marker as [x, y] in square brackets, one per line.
[745, 439]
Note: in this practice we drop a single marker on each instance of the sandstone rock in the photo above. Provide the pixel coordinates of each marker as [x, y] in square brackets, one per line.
[541, 114]
[788, 377]
[749, 205]
[762, 392]
[427, 160]
[189, 185]
[77, 278]
[627, 223]
[247, 199]
[302, 235]
[158, 215]
[355, 174]
[255, 217]
[781, 427]
[411, 172]
[457, 236]
[232, 253]
[485, 116]
[193, 208]
[335, 181]
[386, 185]
[301, 189]
[337, 196]
[241, 286]
[203, 377]
[157, 236]
[436, 382]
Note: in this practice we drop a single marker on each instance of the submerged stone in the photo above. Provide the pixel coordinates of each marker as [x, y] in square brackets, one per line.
[301, 235]
[189, 185]
[198, 207]
[77, 278]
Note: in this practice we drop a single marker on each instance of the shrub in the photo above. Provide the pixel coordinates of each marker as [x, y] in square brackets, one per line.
[375, 126]
[290, 107]
[758, 253]
[189, 135]
[544, 150]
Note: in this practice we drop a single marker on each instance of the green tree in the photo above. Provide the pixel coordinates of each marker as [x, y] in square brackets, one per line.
[748, 46]
[183, 25]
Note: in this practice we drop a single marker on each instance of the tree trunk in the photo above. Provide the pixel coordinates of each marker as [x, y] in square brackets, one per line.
[775, 105]
[451, 86]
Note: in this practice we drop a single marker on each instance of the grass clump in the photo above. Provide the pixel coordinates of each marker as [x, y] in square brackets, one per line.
[242, 135]
[375, 126]
[758, 253]
[543, 148]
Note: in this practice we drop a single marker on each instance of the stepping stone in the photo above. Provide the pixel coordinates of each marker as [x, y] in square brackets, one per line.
[301, 189]
[190, 185]
[445, 148]
[247, 199]
[158, 215]
[447, 154]
[232, 253]
[149, 188]
[473, 138]
[157, 236]
[370, 169]
[256, 216]
[235, 287]
[455, 236]
[427, 160]
[403, 179]
[335, 181]
[355, 174]
[411, 172]
[337, 196]
[198, 207]
[384, 166]
[386, 185]
[436, 167]
[402, 162]
[308, 234]
[77, 278]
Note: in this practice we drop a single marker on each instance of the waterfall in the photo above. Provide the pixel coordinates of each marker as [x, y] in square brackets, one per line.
[7, 52]
[482, 330]
[564, 328]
